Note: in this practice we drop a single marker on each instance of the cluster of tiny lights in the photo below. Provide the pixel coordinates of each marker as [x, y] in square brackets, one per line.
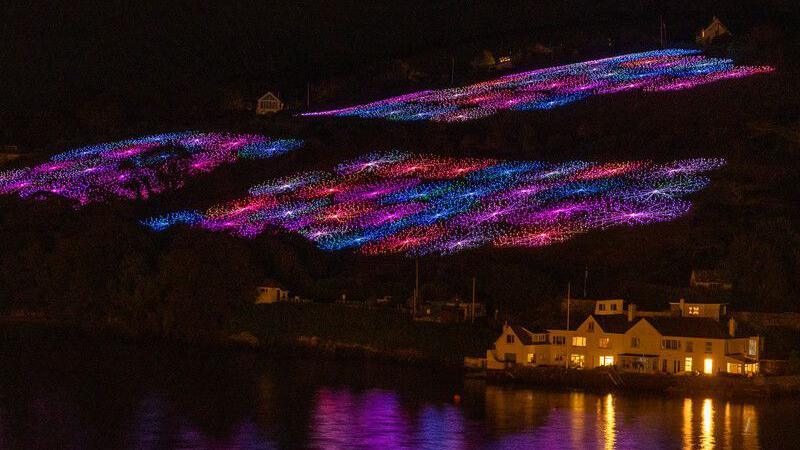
[420, 204]
[137, 168]
[660, 70]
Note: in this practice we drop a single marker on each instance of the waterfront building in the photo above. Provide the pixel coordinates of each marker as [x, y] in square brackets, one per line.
[689, 337]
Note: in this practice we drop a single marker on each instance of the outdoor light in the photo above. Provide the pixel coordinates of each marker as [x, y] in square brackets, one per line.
[138, 168]
[422, 204]
[659, 70]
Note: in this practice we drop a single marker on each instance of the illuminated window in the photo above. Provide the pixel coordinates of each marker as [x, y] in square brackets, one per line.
[752, 346]
[635, 342]
[604, 342]
[708, 366]
[689, 347]
[531, 357]
[577, 360]
[694, 310]
[606, 360]
[751, 369]
[509, 339]
[578, 341]
[687, 364]
[559, 340]
[734, 368]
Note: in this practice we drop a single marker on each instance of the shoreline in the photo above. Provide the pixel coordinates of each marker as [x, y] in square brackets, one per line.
[611, 380]
[593, 380]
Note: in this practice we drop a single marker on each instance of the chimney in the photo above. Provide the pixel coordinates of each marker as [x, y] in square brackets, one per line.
[732, 327]
[682, 306]
[631, 312]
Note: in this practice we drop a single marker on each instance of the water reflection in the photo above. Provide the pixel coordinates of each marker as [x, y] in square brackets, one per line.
[580, 420]
[174, 401]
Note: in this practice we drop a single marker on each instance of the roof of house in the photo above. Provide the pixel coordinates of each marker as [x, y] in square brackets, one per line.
[271, 283]
[617, 323]
[740, 357]
[700, 327]
[525, 336]
[268, 95]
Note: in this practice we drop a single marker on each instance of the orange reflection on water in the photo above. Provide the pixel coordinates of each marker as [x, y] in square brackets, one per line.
[707, 436]
[609, 422]
[687, 423]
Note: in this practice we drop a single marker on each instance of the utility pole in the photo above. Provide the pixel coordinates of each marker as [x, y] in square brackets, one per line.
[473, 299]
[566, 357]
[568, 295]
[585, 279]
[416, 290]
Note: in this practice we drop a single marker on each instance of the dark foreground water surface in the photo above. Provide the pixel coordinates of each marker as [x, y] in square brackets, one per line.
[58, 393]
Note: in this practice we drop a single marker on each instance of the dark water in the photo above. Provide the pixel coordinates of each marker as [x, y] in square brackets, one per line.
[58, 393]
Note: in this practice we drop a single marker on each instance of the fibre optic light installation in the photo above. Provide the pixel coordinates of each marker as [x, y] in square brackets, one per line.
[419, 204]
[660, 70]
[137, 168]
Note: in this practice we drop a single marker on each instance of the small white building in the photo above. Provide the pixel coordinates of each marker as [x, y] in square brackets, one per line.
[713, 31]
[268, 103]
[271, 292]
[8, 153]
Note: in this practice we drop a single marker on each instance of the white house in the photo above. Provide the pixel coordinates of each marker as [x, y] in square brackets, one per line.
[690, 337]
[271, 292]
[713, 31]
[268, 103]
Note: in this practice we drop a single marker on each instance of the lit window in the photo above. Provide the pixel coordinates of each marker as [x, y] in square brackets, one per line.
[578, 341]
[577, 360]
[606, 360]
[509, 338]
[708, 366]
[604, 342]
[734, 368]
[687, 364]
[694, 310]
[635, 342]
[531, 357]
